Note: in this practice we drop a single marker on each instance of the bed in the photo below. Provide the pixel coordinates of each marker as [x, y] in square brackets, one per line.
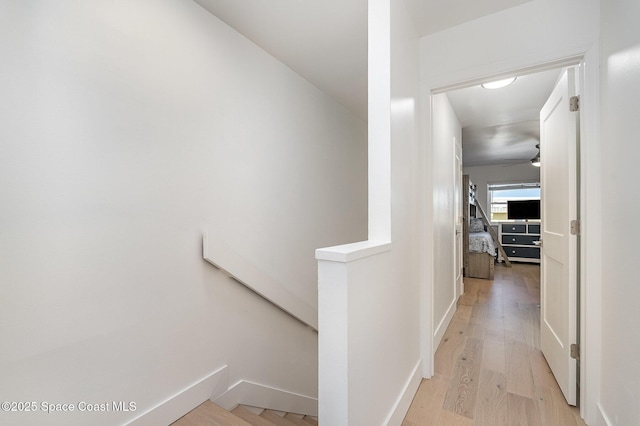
[481, 251]
[482, 254]
[481, 242]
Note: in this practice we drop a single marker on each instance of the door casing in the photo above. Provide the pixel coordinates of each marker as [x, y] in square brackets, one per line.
[590, 250]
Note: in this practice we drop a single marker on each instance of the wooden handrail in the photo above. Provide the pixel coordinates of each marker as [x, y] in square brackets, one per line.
[240, 269]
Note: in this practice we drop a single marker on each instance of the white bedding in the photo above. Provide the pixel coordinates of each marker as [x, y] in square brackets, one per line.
[481, 242]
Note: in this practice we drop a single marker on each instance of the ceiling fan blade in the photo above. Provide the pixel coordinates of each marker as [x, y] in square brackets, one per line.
[516, 163]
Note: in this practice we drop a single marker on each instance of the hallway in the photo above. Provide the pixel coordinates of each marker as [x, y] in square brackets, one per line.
[489, 370]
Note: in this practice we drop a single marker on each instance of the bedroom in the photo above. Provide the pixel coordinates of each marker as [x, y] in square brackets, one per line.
[500, 134]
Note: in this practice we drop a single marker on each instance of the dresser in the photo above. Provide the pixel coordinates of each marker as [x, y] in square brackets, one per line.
[518, 240]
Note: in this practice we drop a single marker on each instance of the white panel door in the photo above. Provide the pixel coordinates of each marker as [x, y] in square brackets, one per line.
[558, 285]
[457, 178]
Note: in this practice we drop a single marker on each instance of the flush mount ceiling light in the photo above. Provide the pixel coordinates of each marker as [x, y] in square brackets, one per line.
[498, 84]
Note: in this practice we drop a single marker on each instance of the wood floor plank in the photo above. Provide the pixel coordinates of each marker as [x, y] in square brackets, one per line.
[533, 285]
[250, 417]
[276, 419]
[494, 320]
[447, 418]
[448, 351]
[468, 299]
[530, 324]
[479, 313]
[463, 314]
[443, 417]
[453, 344]
[427, 402]
[513, 324]
[209, 413]
[554, 409]
[475, 331]
[542, 375]
[310, 420]
[461, 395]
[471, 289]
[519, 376]
[493, 356]
[522, 411]
[485, 293]
[491, 406]
[295, 419]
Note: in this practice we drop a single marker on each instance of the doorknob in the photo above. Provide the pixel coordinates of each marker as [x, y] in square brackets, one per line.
[538, 243]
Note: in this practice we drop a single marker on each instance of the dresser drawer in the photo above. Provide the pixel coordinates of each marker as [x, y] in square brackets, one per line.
[526, 240]
[508, 228]
[524, 252]
[534, 229]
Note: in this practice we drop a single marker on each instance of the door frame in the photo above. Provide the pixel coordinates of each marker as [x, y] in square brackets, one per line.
[589, 258]
[458, 247]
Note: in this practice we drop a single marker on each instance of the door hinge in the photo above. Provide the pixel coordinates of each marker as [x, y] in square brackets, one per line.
[575, 351]
[575, 227]
[574, 103]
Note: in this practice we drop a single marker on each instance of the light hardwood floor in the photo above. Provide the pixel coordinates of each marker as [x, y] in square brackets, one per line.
[489, 370]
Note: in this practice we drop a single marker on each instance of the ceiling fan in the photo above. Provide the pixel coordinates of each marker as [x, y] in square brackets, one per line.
[535, 161]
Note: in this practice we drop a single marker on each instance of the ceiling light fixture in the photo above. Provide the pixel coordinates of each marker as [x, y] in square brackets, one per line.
[499, 84]
[535, 161]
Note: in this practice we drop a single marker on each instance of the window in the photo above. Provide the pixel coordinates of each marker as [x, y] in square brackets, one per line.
[500, 193]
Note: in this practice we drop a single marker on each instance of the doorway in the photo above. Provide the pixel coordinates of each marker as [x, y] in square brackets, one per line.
[516, 142]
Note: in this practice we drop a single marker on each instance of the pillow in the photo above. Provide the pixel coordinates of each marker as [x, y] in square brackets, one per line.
[476, 225]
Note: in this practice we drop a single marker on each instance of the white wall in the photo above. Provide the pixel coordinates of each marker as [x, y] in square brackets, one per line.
[370, 369]
[483, 175]
[124, 127]
[536, 32]
[620, 94]
[402, 361]
[446, 132]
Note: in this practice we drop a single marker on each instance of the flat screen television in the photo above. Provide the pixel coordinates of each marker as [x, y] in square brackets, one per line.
[523, 209]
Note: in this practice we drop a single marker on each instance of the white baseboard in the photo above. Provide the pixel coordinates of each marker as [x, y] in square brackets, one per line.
[403, 402]
[443, 324]
[257, 395]
[177, 405]
[215, 387]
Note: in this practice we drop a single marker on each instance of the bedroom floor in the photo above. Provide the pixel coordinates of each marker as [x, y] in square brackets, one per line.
[488, 368]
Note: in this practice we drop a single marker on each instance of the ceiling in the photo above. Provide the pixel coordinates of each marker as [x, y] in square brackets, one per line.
[502, 126]
[325, 41]
[432, 16]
